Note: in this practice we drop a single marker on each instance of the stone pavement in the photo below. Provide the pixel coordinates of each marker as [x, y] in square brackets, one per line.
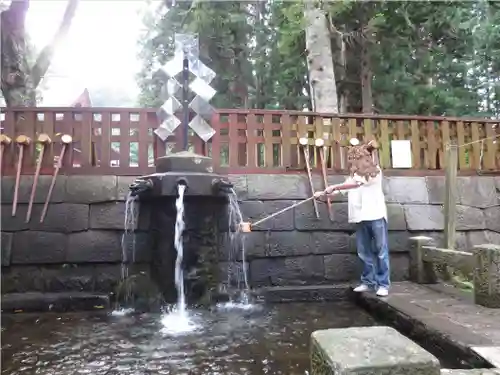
[442, 315]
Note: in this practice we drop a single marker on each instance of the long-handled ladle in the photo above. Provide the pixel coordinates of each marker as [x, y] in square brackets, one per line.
[247, 226]
[66, 139]
[21, 141]
[4, 141]
[304, 143]
[320, 143]
[44, 140]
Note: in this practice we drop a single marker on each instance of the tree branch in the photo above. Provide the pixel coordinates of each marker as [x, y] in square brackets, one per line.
[43, 61]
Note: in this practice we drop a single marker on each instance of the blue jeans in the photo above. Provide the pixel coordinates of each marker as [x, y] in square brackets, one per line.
[373, 250]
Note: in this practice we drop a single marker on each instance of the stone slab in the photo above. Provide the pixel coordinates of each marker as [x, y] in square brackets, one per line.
[277, 186]
[138, 247]
[424, 217]
[253, 211]
[470, 218]
[122, 187]
[36, 247]
[406, 190]
[395, 217]
[6, 247]
[26, 185]
[309, 293]
[489, 353]
[492, 217]
[91, 189]
[11, 223]
[54, 302]
[398, 242]
[305, 218]
[94, 246]
[287, 271]
[369, 350]
[240, 185]
[478, 191]
[61, 217]
[478, 371]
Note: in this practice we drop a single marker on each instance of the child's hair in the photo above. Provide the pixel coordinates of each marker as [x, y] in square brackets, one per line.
[360, 161]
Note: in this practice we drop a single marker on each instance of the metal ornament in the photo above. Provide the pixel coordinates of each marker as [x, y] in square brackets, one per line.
[186, 51]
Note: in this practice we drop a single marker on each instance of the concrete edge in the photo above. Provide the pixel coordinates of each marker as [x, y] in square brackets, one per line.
[431, 332]
[54, 302]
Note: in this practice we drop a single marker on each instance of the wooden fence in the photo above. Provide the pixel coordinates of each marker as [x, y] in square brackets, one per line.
[121, 141]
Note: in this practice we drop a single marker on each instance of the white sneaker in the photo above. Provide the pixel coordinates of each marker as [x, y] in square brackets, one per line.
[362, 288]
[382, 292]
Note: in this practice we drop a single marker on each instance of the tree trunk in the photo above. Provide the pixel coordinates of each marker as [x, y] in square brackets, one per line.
[366, 77]
[320, 60]
[19, 80]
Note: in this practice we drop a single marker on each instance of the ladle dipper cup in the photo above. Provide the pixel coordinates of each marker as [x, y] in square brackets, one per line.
[22, 141]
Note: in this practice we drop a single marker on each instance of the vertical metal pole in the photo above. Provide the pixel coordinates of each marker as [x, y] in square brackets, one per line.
[185, 103]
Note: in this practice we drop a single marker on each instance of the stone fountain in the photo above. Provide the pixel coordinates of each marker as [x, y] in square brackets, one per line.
[205, 217]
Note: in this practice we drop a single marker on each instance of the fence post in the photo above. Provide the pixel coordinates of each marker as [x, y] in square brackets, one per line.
[450, 201]
[420, 272]
[487, 275]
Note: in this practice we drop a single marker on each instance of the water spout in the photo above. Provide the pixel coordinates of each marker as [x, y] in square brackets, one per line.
[222, 185]
[140, 186]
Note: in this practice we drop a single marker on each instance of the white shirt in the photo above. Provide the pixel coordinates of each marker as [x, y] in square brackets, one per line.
[366, 202]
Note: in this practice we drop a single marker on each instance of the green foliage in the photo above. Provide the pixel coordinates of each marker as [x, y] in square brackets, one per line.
[439, 58]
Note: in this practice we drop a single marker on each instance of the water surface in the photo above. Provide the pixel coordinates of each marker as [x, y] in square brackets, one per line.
[267, 339]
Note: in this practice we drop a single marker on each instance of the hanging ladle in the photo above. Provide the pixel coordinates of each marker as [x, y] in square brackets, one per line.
[44, 140]
[304, 143]
[21, 141]
[4, 141]
[66, 139]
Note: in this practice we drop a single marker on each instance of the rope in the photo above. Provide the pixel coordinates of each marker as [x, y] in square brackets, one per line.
[471, 143]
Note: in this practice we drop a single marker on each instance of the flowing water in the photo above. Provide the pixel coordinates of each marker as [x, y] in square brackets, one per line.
[264, 339]
[236, 271]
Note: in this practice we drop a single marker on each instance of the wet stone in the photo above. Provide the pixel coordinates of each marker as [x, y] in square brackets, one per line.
[91, 189]
[6, 247]
[34, 247]
[26, 185]
[369, 350]
[94, 246]
[255, 210]
[305, 218]
[61, 217]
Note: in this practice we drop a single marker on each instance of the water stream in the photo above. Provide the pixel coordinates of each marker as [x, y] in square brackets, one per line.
[129, 226]
[237, 268]
[179, 247]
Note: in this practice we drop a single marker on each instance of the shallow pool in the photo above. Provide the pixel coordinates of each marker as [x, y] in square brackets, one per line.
[265, 339]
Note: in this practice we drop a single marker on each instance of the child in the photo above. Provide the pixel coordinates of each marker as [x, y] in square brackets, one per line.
[367, 209]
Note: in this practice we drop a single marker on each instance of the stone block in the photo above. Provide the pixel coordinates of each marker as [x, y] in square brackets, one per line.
[91, 189]
[369, 350]
[6, 247]
[231, 246]
[61, 217]
[395, 217]
[420, 272]
[94, 246]
[331, 243]
[289, 244]
[233, 273]
[277, 186]
[305, 218]
[287, 271]
[122, 187]
[256, 210]
[138, 247]
[400, 267]
[11, 223]
[471, 191]
[487, 275]
[492, 216]
[406, 190]
[110, 215]
[342, 267]
[398, 242]
[240, 185]
[424, 217]
[25, 186]
[35, 247]
[470, 218]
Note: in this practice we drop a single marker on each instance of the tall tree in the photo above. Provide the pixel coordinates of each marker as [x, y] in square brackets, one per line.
[19, 78]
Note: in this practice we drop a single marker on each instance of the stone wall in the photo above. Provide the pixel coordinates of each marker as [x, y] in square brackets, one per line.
[78, 247]
[297, 248]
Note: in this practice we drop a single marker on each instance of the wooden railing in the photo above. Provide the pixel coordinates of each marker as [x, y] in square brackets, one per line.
[121, 141]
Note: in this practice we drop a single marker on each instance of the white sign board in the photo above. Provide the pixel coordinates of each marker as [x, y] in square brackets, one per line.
[401, 154]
